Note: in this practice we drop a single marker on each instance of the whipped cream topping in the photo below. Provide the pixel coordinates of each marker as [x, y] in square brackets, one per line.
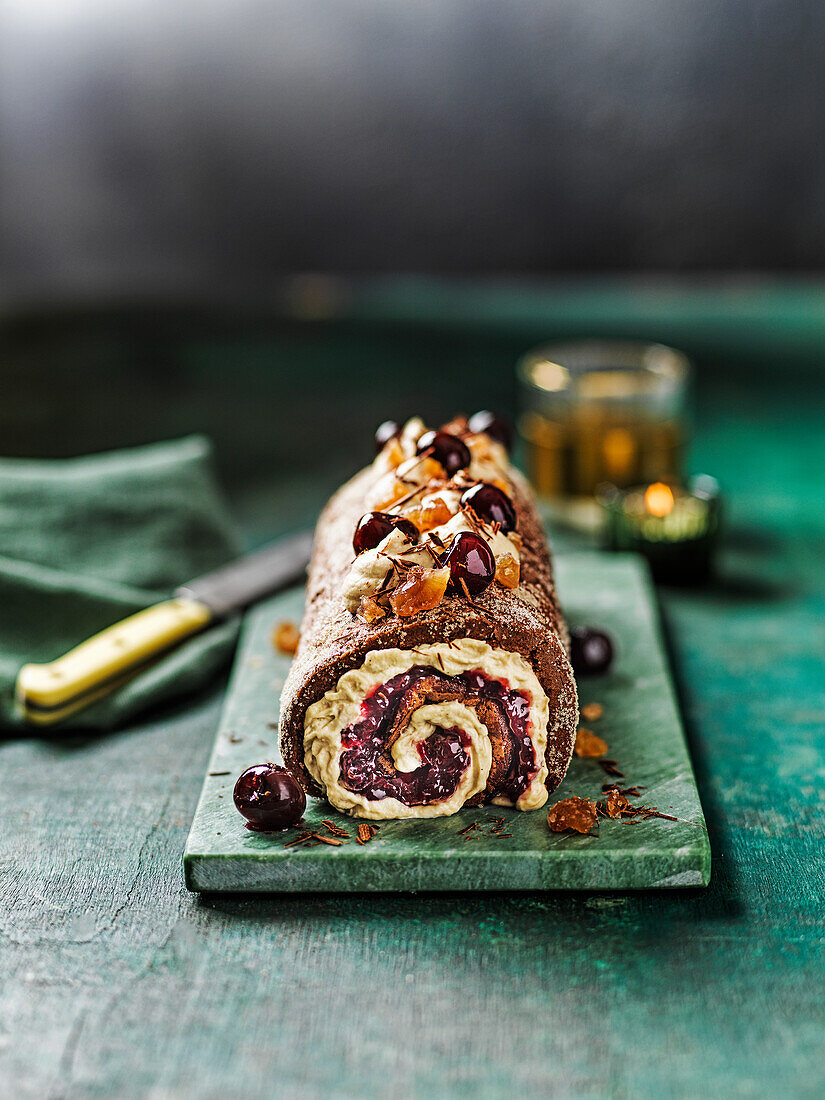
[398, 462]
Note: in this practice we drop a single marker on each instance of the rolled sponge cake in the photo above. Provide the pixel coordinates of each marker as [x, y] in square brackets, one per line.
[472, 701]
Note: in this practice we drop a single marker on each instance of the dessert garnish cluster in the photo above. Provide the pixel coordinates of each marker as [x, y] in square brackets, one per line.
[441, 519]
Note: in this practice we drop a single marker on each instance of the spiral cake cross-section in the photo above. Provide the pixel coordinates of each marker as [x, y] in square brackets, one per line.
[432, 671]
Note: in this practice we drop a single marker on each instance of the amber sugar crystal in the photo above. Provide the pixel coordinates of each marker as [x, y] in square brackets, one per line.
[370, 610]
[421, 590]
[589, 744]
[285, 638]
[432, 513]
[577, 815]
[395, 453]
[508, 571]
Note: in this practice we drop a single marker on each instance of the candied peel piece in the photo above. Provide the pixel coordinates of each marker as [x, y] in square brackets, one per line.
[508, 571]
[421, 590]
[399, 489]
[429, 470]
[370, 610]
[394, 453]
[572, 814]
[589, 744]
[285, 638]
[432, 513]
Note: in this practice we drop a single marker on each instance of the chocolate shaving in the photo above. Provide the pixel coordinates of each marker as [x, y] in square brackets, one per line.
[435, 557]
[473, 521]
[327, 839]
[299, 840]
[463, 584]
[632, 792]
[644, 812]
[610, 767]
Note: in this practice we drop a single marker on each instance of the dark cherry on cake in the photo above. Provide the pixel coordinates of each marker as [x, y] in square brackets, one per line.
[472, 563]
[269, 797]
[373, 527]
[495, 426]
[447, 449]
[591, 651]
[491, 505]
[389, 429]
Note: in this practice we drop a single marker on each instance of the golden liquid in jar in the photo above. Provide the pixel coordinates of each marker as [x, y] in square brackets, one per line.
[570, 456]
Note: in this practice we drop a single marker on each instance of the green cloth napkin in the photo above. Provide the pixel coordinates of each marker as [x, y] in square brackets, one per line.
[84, 542]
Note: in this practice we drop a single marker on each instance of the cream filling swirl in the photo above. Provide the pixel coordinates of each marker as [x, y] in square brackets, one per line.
[340, 708]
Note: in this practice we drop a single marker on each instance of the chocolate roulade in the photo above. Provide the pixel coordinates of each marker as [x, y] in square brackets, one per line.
[432, 670]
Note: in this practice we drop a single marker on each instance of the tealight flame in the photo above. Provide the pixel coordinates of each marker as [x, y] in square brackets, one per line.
[659, 499]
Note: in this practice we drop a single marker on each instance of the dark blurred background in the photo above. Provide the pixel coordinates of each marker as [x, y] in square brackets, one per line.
[466, 178]
[210, 146]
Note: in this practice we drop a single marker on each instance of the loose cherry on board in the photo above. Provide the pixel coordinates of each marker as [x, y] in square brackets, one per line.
[495, 426]
[472, 562]
[373, 527]
[269, 797]
[591, 651]
[449, 450]
[491, 505]
[390, 429]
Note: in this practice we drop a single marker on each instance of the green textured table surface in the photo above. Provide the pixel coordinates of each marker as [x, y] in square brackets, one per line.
[115, 981]
[641, 725]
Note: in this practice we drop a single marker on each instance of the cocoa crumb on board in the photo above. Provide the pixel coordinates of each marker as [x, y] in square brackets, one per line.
[366, 831]
[572, 815]
[588, 744]
[495, 825]
[285, 638]
[592, 712]
[613, 803]
[580, 814]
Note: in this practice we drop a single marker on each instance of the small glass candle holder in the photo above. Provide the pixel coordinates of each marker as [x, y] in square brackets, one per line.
[601, 411]
[674, 526]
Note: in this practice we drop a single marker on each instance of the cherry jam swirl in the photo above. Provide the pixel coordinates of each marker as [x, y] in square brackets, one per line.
[366, 764]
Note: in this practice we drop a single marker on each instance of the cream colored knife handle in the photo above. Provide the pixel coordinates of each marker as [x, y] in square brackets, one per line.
[48, 693]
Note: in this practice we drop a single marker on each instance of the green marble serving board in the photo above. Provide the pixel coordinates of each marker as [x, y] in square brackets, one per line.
[641, 725]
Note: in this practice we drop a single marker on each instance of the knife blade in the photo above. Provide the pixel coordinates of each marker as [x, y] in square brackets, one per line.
[45, 694]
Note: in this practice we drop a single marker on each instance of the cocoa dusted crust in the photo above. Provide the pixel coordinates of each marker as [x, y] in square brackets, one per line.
[525, 620]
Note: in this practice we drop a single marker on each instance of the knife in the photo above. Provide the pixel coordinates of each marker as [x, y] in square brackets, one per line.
[46, 694]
